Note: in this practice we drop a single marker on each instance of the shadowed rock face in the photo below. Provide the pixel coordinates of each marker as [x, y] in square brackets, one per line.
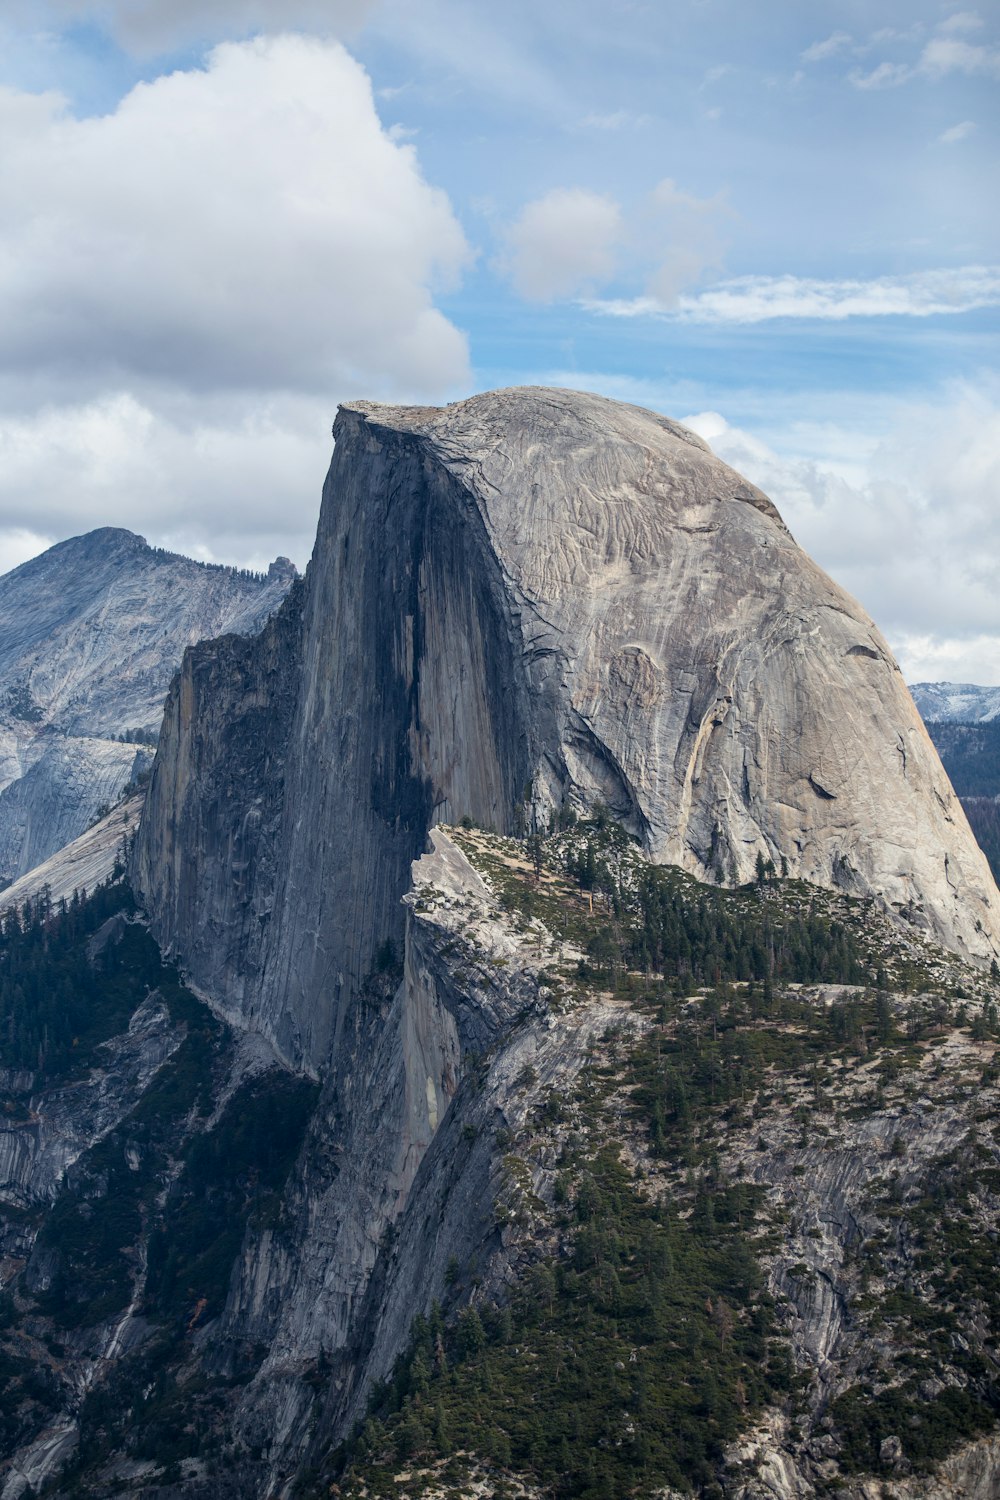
[542, 595]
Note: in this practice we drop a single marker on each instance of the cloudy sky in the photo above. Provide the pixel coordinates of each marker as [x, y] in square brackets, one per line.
[778, 222]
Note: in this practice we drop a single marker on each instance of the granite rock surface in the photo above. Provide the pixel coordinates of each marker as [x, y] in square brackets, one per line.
[91, 633]
[523, 602]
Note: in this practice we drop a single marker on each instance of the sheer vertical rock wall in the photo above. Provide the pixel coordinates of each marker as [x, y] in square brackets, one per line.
[530, 599]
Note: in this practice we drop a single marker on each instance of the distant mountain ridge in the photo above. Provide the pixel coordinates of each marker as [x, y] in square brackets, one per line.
[91, 633]
[963, 720]
[956, 702]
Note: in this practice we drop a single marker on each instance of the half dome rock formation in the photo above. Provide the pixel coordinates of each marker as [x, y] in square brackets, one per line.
[530, 600]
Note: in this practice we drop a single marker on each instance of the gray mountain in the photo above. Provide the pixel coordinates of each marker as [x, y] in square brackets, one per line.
[956, 702]
[530, 601]
[91, 632]
[497, 1142]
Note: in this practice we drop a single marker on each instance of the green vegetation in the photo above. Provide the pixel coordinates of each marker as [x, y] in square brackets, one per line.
[56, 1004]
[639, 1339]
[927, 1430]
[628, 1357]
[232, 1173]
[954, 1255]
[983, 814]
[156, 1211]
[599, 893]
[91, 1232]
[29, 1393]
[623, 1364]
[970, 754]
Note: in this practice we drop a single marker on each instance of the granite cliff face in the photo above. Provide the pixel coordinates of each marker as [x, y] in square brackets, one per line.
[91, 632]
[519, 1165]
[529, 601]
[489, 1090]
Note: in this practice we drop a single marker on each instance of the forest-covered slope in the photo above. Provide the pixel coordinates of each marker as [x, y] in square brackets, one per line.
[713, 1195]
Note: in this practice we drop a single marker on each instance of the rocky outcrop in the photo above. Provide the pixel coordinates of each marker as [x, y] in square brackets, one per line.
[91, 632]
[405, 1137]
[480, 1072]
[66, 788]
[83, 864]
[526, 601]
[64, 1123]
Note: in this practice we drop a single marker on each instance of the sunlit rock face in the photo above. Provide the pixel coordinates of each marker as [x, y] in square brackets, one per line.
[91, 632]
[525, 600]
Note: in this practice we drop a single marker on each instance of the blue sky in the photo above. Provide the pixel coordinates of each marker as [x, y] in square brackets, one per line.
[778, 221]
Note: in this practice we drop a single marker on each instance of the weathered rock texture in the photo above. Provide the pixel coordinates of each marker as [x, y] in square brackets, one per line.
[91, 632]
[83, 864]
[532, 597]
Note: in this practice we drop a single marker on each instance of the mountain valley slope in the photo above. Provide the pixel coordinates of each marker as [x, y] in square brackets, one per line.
[967, 738]
[531, 600]
[91, 633]
[579, 1073]
[716, 1171]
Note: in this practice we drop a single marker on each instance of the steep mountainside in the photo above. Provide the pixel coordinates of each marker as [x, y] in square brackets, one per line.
[91, 633]
[580, 1075]
[970, 753]
[618, 1186]
[83, 864]
[517, 604]
[957, 702]
[962, 720]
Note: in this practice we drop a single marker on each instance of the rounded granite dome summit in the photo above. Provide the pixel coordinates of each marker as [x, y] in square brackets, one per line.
[532, 596]
[716, 687]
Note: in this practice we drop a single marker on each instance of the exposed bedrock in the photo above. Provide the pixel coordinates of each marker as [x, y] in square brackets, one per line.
[533, 595]
[91, 633]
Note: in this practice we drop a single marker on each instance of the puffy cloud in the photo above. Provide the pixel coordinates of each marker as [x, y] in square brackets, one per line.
[910, 526]
[190, 283]
[562, 243]
[250, 224]
[688, 238]
[951, 55]
[756, 299]
[215, 478]
[957, 132]
[151, 27]
[569, 241]
[887, 75]
[18, 544]
[940, 56]
[962, 20]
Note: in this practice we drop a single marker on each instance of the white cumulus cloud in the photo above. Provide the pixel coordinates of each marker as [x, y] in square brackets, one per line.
[686, 239]
[941, 56]
[951, 55]
[189, 284]
[831, 46]
[250, 224]
[562, 243]
[886, 75]
[958, 132]
[212, 477]
[570, 241]
[961, 20]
